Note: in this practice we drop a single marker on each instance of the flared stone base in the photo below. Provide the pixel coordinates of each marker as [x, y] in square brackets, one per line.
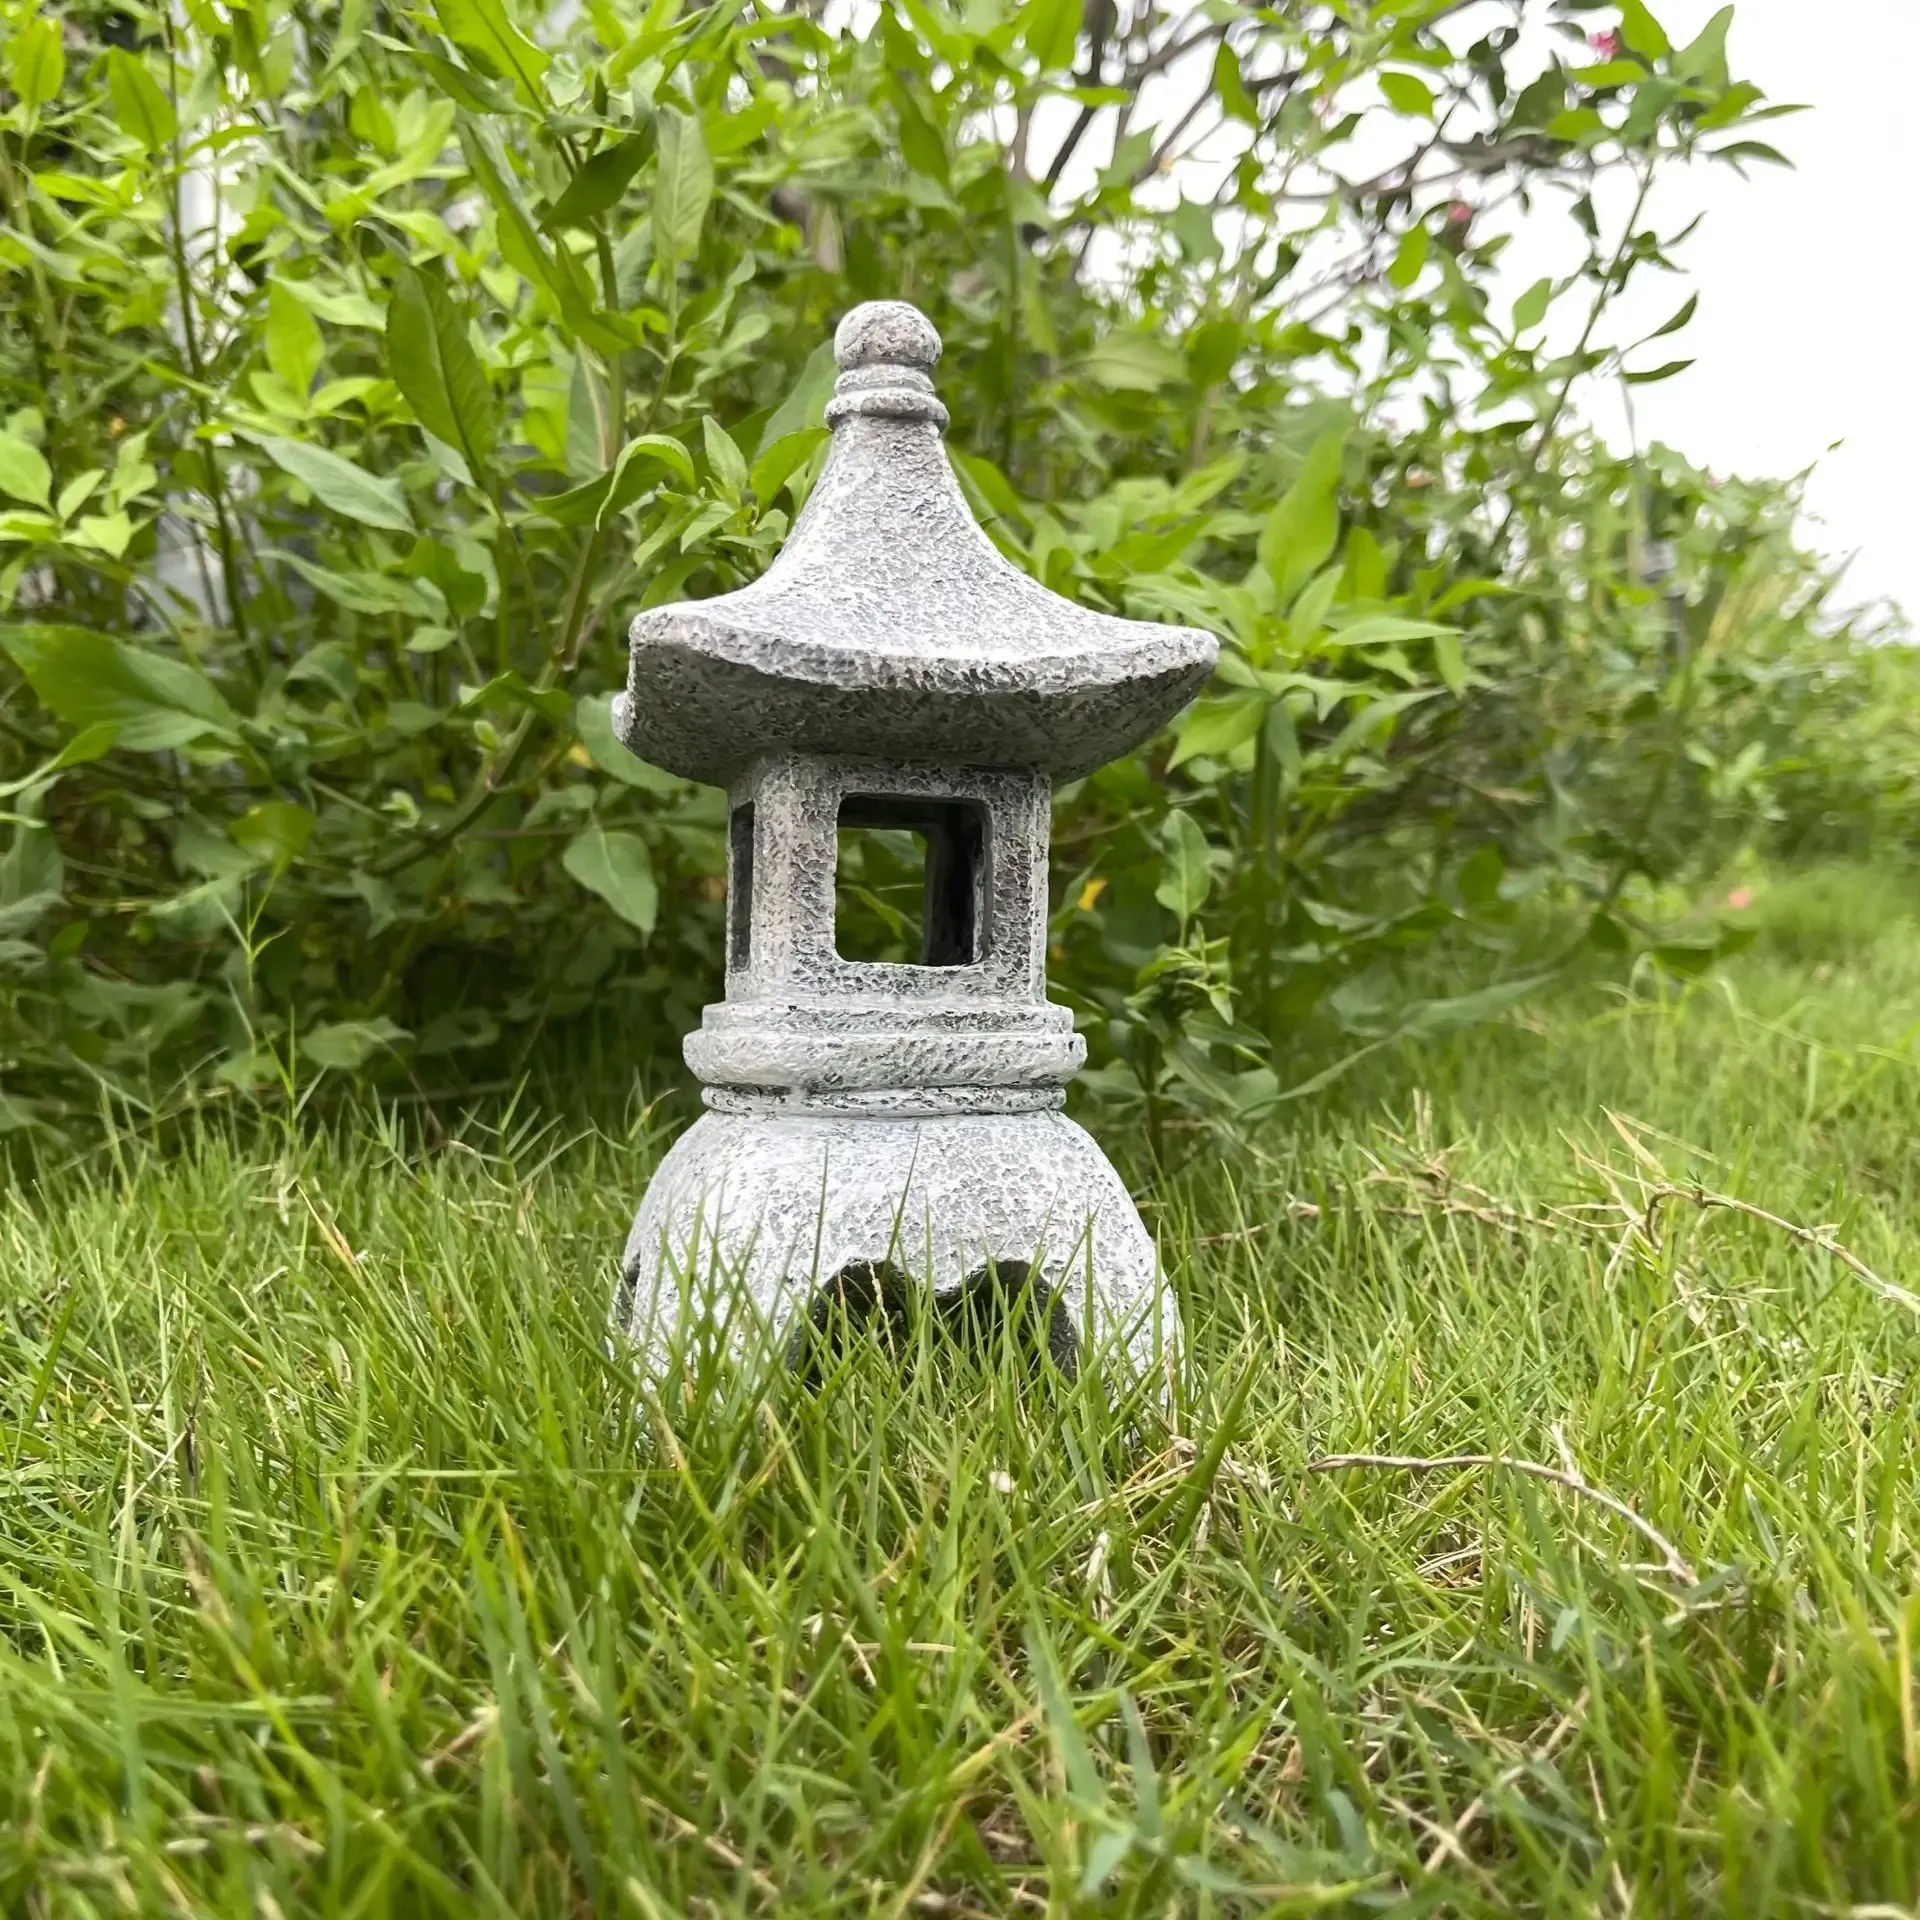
[774, 1207]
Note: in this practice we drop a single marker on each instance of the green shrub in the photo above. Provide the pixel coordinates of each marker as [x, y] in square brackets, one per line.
[362, 371]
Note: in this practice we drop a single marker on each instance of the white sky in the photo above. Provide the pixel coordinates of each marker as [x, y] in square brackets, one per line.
[1806, 333]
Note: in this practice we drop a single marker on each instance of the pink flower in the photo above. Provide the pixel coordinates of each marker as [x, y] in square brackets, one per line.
[1608, 46]
[1740, 899]
[1458, 213]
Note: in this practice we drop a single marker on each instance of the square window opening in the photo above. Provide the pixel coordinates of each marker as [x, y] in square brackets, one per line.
[740, 888]
[910, 881]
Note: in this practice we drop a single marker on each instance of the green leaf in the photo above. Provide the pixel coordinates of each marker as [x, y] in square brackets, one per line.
[1472, 588]
[436, 369]
[523, 248]
[618, 868]
[1212, 350]
[682, 188]
[1752, 150]
[1188, 875]
[1050, 30]
[780, 460]
[1610, 73]
[343, 308]
[277, 829]
[1134, 362]
[462, 85]
[92, 680]
[89, 744]
[806, 405]
[623, 483]
[1582, 125]
[1299, 535]
[143, 113]
[294, 346]
[32, 874]
[1651, 100]
[728, 464]
[1405, 93]
[1216, 727]
[339, 485]
[1103, 1857]
[24, 473]
[1450, 663]
[37, 61]
[1477, 878]
[593, 440]
[1410, 257]
[1069, 1742]
[482, 30]
[1685, 959]
[1366, 569]
[342, 1046]
[1531, 308]
[77, 492]
[1230, 87]
[921, 144]
[1665, 372]
[358, 590]
[108, 533]
[1641, 31]
[1146, 1783]
[513, 691]
[1732, 107]
[1192, 225]
[1132, 160]
[660, 447]
[1704, 58]
[601, 183]
[1539, 100]
[716, 513]
[1678, 321]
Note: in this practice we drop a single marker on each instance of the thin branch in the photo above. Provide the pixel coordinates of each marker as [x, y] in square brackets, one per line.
[1160, 156]
[1821, 1237]
[1099, 20]
[1610, 284]
[1573, 1482]
[1169, 51]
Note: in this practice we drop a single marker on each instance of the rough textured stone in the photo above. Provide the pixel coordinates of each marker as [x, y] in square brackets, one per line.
[892, 669]
[738, 1204]
[890, 626]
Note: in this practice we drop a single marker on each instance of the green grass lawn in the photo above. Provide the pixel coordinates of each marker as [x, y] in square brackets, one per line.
[341, 1572]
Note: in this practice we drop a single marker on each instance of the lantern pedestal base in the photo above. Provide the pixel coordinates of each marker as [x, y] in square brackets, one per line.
[752, 1216]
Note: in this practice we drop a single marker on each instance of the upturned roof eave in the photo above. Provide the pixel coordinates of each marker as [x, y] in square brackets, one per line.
[1138, 651]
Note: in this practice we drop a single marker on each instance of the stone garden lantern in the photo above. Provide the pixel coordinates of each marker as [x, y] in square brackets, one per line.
[883, 1125]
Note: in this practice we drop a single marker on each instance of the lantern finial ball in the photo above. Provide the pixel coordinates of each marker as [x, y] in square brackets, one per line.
[886, 333]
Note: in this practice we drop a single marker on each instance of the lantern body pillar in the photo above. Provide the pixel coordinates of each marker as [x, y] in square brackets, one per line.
[865, 1119]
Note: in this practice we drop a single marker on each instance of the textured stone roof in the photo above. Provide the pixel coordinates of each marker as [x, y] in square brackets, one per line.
[889, 624]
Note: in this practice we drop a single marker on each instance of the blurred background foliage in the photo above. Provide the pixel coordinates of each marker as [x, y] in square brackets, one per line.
[364, 368]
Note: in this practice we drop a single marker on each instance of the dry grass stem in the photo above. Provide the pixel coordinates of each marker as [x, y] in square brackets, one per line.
[1822, 1237]
[1576, 1483]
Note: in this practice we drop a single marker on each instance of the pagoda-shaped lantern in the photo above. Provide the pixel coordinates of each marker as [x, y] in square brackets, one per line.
[866, 1120]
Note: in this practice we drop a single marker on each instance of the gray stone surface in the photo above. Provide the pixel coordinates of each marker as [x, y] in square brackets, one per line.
[890, 625]
[891, 669]
[799, 1021]
[735, 1216]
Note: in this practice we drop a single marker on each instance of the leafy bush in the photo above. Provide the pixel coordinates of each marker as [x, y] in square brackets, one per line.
[364, 370]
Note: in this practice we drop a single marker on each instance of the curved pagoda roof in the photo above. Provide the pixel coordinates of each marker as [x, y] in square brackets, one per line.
[889, 625]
